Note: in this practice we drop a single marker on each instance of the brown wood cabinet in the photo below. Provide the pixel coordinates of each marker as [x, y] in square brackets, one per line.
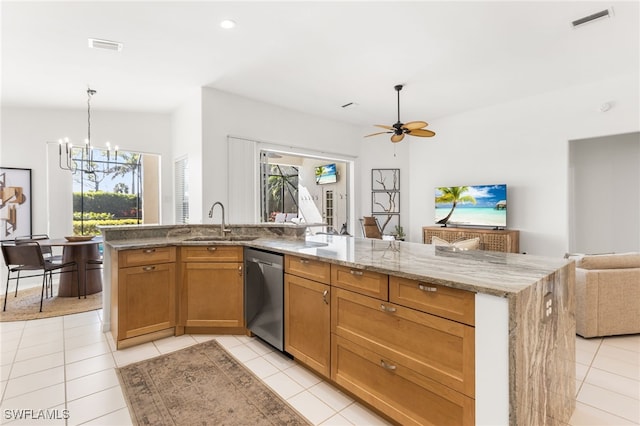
[451, 303]
[361, 281]
[307, 314]
[397, 390]
[308, 268]
[143, 295]
[434, 347]
[212, 291]
[405, 347]
[507, 241]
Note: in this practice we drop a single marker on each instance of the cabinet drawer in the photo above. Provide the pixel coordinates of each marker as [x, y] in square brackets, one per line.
[308, 268]
[398, 391]
[435, 347]
[146, 256]
[451, 303]
[370, 283]
[220, 253]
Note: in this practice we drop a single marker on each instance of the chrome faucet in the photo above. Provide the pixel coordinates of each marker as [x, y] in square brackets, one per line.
[224, 230]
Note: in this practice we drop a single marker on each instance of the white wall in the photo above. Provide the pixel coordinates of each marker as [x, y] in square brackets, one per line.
[186, 136]
[525, 145]
[378, 152]
[604, 187]
[225, 115]
[23, 144]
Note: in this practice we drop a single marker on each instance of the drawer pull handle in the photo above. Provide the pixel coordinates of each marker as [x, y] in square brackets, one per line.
[148, 268]
[304, 261]
[358, 273]
[426, 288]
[240, 270]
[387, 308]
[150, 251]
[387, 366]
[324, 297]
[212, 248]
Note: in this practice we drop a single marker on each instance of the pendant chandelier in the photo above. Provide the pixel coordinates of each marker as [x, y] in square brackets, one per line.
[84, 154]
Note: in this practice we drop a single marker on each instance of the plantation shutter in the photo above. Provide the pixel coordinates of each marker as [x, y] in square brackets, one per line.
[182, 191]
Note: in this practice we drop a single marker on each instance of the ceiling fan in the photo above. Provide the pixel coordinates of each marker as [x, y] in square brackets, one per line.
[399, 129]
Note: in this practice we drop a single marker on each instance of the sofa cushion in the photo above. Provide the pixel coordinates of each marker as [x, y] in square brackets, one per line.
[471, 243]
[609, 261]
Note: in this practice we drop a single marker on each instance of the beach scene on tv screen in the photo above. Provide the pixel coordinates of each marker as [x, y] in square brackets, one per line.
[479, 205]
[326, 174]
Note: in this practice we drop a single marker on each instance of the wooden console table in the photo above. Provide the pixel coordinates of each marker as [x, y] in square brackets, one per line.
[504, 240]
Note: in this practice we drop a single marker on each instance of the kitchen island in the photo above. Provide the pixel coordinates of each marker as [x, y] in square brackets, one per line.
[524, 326]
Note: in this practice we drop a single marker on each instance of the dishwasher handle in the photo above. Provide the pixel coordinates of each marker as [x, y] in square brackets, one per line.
[263, 262]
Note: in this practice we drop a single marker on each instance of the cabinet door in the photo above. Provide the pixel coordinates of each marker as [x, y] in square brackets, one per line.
[212, 294]
[146, 299]
[307, 333]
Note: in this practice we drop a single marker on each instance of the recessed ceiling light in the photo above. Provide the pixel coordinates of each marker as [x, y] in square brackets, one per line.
[96, 43]
[227, 24]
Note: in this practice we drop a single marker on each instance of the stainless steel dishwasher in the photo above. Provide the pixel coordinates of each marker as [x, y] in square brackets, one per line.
[264, 295]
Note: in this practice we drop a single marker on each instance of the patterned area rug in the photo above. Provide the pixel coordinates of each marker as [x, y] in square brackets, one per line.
[27, 305]
[201, 385]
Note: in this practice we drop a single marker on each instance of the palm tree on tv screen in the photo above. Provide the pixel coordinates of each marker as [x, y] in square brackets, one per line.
[453, 195]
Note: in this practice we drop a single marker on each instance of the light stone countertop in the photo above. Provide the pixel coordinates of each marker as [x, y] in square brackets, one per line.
[494, 273]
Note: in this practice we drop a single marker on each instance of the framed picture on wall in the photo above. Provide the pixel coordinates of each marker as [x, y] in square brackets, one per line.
[15, 203]
[385, 180]
[385, 202]
[388, 223]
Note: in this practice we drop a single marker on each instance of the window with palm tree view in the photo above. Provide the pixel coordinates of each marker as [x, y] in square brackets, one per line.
[280, 191]
[107, 190]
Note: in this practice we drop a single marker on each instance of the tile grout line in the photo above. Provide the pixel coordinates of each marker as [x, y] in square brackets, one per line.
[586, 374]
[13, 360]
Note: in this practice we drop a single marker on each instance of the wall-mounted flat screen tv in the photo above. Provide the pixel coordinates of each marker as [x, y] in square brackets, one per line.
[479, 205]
[326, 174]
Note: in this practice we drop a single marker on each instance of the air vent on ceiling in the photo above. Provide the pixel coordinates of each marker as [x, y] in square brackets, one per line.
[607, 13]
[95, 43]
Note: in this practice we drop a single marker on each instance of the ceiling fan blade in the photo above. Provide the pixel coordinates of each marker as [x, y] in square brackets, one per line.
[397, 138]
[413, 125]
[384, 127]
[424, 133]
[374, 134]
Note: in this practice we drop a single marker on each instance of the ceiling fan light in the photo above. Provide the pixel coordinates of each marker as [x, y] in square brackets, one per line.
[414, 128]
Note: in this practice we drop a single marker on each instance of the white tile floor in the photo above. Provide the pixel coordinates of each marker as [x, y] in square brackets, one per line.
[67, 363]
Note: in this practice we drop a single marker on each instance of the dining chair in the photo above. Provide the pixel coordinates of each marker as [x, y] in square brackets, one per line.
[47, 252]
[27, 256]
[90, 265]
[370, 227]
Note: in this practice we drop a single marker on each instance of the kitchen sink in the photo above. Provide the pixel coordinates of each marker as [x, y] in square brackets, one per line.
[220, 238]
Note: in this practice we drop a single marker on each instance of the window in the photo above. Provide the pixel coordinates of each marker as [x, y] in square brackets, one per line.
[280, 191]
[109, 194]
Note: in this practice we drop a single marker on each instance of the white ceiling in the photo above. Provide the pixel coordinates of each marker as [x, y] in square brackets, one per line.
[311, 56]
